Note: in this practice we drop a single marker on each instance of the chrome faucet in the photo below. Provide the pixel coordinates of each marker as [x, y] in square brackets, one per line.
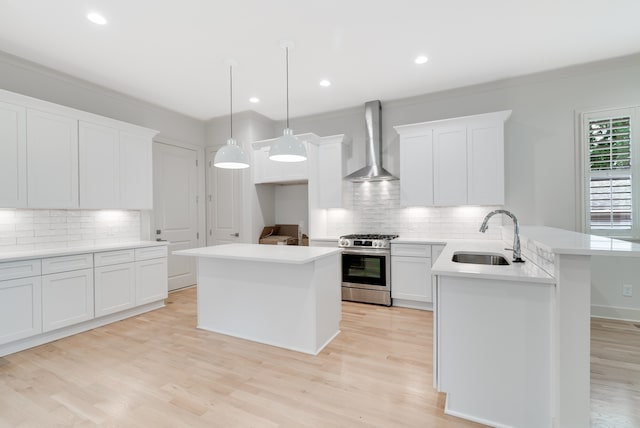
[517, 257]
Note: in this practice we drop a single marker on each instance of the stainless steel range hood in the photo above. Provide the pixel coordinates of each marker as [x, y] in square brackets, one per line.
[373, 171]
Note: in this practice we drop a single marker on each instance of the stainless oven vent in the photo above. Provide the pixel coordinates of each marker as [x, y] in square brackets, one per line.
[373, 171]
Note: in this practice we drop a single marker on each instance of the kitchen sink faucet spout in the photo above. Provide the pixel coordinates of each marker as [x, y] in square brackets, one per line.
[517, 257]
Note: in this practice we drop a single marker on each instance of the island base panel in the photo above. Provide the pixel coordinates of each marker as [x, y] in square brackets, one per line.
[293, 306]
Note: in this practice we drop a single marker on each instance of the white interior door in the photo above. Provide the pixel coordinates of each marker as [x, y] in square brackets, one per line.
[175, 191]
[224, 207]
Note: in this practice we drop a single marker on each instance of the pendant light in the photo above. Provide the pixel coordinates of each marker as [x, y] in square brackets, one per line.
[230, 156]
[287, 148]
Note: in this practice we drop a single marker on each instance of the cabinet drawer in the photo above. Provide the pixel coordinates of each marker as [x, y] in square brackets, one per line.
[19, 269]
[411, 250]
[67, 263]
[113, 257]
[147, 253]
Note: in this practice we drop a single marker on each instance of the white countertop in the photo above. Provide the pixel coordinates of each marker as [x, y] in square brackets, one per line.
[420, 240]
[562, 241]
[69, 251]
[291, 254]
[525, 272]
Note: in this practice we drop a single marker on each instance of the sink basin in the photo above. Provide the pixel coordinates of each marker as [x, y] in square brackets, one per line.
[480, 259]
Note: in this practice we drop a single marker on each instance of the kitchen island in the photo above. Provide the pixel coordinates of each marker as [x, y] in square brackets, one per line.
[280, 295]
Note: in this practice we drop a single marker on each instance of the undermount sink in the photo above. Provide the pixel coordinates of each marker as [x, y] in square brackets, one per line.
[480, 259]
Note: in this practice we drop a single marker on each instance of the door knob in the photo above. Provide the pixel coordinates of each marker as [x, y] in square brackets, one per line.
[234, 234]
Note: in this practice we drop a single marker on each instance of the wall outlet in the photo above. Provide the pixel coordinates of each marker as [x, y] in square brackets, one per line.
[627, 290]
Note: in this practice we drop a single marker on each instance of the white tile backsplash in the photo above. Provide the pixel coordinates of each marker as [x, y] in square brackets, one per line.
[375, 208]
[22, 230]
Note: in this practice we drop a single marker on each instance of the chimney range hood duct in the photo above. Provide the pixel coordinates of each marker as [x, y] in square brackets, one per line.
[373, 171]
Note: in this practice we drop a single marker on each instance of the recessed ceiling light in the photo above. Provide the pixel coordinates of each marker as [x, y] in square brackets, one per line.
[96, 18]
[325, 83]
[254, 100]
[421, 59]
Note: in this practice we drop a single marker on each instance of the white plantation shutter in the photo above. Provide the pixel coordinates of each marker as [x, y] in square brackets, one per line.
[610, 187]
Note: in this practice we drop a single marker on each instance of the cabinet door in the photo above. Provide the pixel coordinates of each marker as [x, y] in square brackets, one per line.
[450, 166]
[411, 278]
[416, 170]
[136, 172]
[485, 164]
[265, 169]
[329, 169]
[268, 171]
[151, 281]
[99, 158]
[13, 156]
[67, 298]
[20, 308]
[52, 160]
[114, 288]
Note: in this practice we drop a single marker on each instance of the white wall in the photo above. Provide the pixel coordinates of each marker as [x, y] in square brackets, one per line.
[608, 275]
[292, 206]
[23, 77]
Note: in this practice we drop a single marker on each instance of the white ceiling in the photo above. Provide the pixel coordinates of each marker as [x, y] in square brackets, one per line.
[172, 53]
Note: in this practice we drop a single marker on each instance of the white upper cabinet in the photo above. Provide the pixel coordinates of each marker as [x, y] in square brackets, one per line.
[115, 168]
[450, 166]
[485, 154]
[457, 161]
[136, 171]
[57, 157]
[267, 171]
[416, 169]
[13, 156]
[327, 168]
[52, 160]
[99, 166]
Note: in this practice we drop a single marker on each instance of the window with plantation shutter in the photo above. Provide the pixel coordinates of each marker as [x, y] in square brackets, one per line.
[611, 180]
[610, 166]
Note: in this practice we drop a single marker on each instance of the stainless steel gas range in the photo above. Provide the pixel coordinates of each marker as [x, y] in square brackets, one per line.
[366, 268]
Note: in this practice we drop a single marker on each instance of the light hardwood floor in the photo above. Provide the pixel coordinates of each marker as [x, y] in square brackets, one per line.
[158, 370]
[615, 374]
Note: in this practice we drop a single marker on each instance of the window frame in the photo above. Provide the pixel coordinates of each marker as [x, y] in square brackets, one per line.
[585, 117]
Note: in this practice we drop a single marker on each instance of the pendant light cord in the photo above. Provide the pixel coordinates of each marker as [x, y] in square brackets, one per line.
[287, 74]
[230, 101]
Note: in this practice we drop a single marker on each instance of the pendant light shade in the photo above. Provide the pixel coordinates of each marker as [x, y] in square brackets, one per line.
[287, 148]
[231, 156]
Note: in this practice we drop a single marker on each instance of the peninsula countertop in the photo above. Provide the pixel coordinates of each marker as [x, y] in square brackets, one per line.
[290, 254]
[527, 272]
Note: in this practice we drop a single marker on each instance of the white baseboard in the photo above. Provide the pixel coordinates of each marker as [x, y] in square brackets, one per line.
[40, 339]
[412, 304]
[615, 313]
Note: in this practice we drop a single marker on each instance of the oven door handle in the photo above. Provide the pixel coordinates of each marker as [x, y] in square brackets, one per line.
[365, 252]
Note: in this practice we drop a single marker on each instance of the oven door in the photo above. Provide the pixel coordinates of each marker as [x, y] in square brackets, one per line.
[368, 269]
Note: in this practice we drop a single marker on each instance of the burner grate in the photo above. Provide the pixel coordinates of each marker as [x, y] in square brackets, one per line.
[369, 236]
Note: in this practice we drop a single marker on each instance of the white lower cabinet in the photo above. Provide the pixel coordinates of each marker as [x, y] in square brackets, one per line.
[45, 299]
[115, 288]
[151, 280]
[67, 298]
[411, 280]
[20, 313]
